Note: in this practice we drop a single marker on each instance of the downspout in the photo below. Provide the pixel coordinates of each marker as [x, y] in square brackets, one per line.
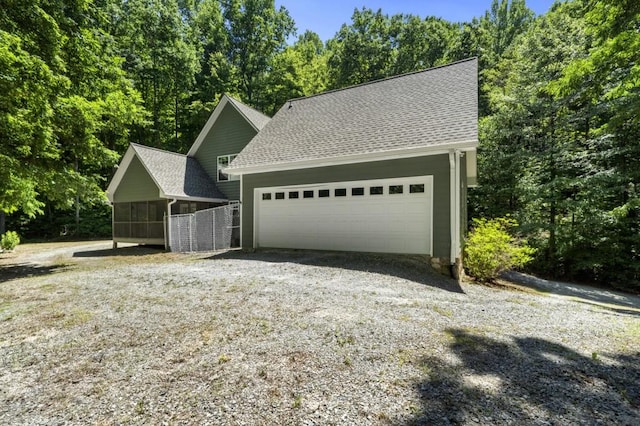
[458, 225]
[167, 233]
[454, 191]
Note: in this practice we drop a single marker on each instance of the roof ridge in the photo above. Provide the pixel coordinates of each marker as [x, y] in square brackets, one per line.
[164, 151]
[366, 83]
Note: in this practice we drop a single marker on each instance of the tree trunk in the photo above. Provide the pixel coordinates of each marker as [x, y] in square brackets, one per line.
[2, 223]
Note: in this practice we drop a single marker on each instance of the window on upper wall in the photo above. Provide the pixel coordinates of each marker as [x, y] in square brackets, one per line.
[223, 162]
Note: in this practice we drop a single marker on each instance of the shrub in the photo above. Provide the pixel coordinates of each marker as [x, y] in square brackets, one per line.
[9, 240]
[490, 249]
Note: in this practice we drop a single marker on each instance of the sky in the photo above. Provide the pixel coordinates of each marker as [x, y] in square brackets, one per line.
[325, 17]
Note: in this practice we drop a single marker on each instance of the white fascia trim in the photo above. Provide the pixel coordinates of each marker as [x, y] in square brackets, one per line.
[224, 100]
[187, 198]
[233, 102]
[357, 158]
[122, 169]
[208, 125]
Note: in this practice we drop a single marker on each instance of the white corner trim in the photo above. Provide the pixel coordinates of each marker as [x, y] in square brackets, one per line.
[224, 100]
[168, 230]
[472, 169]
[357, 158]
[240, 207]
[256, 213]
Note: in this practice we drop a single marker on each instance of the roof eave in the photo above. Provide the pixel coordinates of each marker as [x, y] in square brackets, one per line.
[183, 197]
[208, 125]
[120, 172]
[466, 145]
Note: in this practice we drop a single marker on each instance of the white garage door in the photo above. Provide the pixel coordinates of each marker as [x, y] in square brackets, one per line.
[383, 215]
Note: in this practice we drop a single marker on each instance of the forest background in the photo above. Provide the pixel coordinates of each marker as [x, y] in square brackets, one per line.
[559, 105]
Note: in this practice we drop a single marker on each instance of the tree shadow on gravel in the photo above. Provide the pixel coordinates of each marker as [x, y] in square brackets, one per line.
[412, 268]
[27, 270]
[527, 381]
[120, 252]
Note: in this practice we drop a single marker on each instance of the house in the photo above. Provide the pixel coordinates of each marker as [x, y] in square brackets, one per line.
[150, 182]
[378, 167]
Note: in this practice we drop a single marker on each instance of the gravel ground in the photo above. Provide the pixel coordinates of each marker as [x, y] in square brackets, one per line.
[306, 338]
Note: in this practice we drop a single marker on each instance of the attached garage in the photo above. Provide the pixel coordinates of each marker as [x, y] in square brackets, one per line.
[380, 215]
[379, 167]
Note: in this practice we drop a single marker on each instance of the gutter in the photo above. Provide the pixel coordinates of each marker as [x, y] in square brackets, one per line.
[465, 145]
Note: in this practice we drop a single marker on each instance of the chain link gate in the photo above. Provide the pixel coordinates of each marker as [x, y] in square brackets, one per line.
[205, 230]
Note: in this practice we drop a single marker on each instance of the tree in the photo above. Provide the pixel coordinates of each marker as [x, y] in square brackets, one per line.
[57, 105]
[375, 46]
[362, 51]
[257, 32]
[529, 143]
[299, 70]
[604, 87]
[153, 38]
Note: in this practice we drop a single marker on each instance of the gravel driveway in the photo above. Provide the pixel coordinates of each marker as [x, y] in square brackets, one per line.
[138, 336]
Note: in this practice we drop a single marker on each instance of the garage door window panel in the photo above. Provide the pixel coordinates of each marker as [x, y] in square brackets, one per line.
[376, 190]
[417, 188]
[396, 189]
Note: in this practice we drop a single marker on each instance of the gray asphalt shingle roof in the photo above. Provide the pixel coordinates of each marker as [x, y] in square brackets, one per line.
[177, 175]
[428, 108]
[258, 119]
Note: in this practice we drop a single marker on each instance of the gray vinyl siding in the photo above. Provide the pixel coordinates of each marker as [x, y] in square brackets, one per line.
[229, 135]
[136, 185]
[436, 166]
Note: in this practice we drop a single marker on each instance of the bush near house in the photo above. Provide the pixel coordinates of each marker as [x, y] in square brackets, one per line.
[9, 240]
[490, 249]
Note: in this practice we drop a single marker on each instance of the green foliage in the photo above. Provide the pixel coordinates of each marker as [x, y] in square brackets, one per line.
[9, 240]
[376, 45]
[559, 146]
[490, 249]
[558, 104]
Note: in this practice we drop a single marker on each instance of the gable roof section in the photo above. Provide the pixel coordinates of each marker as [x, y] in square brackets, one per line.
[176, 176]
[254, 117]
[425, 111]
